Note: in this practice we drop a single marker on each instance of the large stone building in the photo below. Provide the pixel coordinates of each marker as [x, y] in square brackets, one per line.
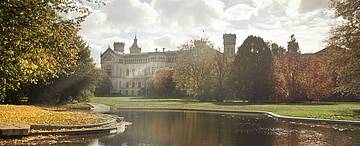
[130, 72]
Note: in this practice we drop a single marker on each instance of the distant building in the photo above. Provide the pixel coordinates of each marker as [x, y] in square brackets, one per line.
[131, 72]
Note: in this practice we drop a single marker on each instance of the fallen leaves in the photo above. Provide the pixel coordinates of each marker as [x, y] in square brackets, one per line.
[37, 115]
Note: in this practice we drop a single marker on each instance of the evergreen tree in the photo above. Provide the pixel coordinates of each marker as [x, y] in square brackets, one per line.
[252, 70]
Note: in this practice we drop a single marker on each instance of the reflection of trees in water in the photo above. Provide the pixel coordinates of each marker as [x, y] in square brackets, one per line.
[205, 129]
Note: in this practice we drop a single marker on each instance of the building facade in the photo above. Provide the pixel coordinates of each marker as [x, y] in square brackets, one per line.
[131, 72]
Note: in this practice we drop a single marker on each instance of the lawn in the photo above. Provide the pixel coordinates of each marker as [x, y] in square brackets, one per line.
[39, 115]
[322, 110]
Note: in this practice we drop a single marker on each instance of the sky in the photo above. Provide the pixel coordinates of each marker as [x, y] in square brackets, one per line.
[170, 23]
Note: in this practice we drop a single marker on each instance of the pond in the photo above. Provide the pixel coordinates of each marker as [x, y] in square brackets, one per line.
[188, 128]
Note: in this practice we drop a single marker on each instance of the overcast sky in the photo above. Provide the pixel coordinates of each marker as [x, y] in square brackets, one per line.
[168, 23]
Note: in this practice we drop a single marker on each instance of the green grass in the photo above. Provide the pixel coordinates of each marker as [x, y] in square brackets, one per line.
[322, 110]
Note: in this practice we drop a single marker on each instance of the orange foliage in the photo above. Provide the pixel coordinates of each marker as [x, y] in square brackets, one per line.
[303, 78]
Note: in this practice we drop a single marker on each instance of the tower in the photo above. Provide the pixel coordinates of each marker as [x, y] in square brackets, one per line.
[119, 47]
[229, 45]
[135, 48]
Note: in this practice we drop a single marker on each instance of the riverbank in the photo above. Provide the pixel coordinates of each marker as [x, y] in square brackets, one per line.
[322, 110]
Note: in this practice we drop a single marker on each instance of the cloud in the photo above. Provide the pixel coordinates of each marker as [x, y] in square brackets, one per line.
[168, 23]
[165, 41]
[311, 5]
[187, 14]
[130, 14]
[240, 12]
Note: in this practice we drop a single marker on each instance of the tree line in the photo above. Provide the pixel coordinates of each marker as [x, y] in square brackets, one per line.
[265, 71]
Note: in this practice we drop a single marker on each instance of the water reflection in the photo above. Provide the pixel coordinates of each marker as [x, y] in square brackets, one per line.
[159, 128]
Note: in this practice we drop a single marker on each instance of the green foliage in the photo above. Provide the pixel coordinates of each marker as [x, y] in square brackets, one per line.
[77, 86]
[163, 84]
[195, 71]
[252, 71]
[346, 36]
[104, 86]
[37, 43]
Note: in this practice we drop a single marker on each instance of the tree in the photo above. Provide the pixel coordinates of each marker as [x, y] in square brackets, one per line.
[163, 83]
[104, 86]
[277, 50]
[195, 66]
[292, 60]
[79, 85]
[252, 70]
[299, 77]
[36, 42]
[346, 36]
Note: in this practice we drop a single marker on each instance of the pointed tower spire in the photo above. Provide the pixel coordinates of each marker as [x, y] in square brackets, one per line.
[135, 48]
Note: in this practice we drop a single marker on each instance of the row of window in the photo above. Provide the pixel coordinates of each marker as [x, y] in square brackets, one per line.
[132, 84]
[133, 72]
[146, 60]
[130, 92]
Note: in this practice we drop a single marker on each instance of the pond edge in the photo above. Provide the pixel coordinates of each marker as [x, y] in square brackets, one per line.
[269, 114]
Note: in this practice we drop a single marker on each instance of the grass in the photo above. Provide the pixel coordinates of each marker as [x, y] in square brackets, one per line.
[38, 115]
[322, 110]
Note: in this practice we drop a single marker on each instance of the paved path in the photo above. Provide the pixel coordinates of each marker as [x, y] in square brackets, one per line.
[99, 108]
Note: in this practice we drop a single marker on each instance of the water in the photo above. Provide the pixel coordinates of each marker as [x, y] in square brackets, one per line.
[180, 128]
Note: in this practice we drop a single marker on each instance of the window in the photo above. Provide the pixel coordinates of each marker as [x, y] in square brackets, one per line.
[133, 84]
[127, 84]
[133, 72]
[120, 72]
[132, 92]
[127, 72]
[119, 84]
[139, 84]
[126, 92]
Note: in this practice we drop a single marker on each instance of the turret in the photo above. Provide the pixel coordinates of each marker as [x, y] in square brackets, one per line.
[229, 45]
[135, 48]
[119, 47]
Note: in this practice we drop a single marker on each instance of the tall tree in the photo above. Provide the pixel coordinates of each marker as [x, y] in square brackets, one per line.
[36, 41]
[195, 68]
[292, 60]
[347, 36]
[252, 70]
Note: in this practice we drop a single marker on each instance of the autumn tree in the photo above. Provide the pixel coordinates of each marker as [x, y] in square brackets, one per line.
[79, 85]
[347, 36]
[163, 83]
[195, 68]
[252, 70]
[36, 41]
[300, 77]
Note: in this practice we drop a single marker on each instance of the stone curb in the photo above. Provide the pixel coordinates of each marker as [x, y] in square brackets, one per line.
[52, 127]
[269, 114]
[110, 130]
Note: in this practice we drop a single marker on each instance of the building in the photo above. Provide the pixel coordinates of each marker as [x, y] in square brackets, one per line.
[130, 72]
